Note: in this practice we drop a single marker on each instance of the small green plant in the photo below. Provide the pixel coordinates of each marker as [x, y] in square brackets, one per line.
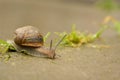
[76, 38]
[117, 26]
[46, 36]
[4, 46]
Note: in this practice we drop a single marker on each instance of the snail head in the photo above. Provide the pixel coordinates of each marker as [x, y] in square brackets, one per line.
[52, 50]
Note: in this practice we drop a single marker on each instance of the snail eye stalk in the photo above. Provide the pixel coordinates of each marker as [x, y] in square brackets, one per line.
[50, 44]
[60, 41]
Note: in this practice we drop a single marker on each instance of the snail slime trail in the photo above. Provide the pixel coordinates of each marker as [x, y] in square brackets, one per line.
[28, 38]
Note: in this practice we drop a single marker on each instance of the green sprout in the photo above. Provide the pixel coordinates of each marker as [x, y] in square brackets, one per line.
[76, 38]
[4, 46]
[46, 36]
[117, 26]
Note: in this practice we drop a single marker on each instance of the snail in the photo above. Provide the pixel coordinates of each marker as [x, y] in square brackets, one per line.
[31, 40]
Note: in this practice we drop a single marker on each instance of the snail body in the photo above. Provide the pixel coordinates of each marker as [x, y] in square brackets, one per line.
[30, 39]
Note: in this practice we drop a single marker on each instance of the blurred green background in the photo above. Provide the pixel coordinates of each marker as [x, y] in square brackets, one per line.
[52, 15]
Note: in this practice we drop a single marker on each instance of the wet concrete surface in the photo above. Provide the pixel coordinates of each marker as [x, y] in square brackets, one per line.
[84, 63]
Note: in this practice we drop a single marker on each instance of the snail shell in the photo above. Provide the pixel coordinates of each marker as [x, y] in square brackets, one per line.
[28, 36]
